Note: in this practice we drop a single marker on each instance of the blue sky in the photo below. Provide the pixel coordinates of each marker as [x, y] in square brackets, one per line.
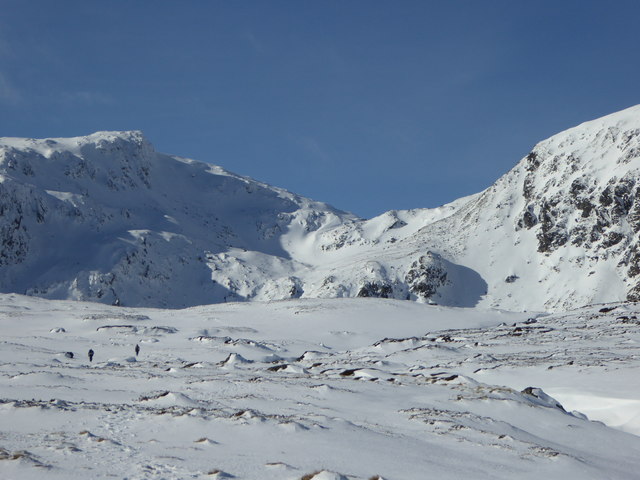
[367, 105]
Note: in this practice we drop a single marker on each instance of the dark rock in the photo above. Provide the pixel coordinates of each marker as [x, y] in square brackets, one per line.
[631, 320]
[607, 309]
[579, 236]
[398, 224]
[552, 233]
[623, 197]
[634, 213]
[426, 275]
[543, 397]
[373, 289]
[277, 368]
[612, 238]
[529, 218]
[633, 295]
[634, 265]
[527, 187]
[585, 206]
[533, 161]
[605, 197]
[577, 187]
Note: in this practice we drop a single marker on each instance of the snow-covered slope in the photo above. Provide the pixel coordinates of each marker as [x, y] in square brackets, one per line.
[322, 389]
[106, 218]
[561, 229]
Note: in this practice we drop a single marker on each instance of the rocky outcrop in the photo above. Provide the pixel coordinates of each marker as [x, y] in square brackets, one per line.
[377, 290]
[426, 276]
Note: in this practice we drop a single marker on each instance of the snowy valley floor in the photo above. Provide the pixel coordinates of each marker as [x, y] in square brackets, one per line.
[348, 388]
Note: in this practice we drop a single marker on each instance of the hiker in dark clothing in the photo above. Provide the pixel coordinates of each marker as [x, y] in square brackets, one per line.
[90, 355]
[137, 349]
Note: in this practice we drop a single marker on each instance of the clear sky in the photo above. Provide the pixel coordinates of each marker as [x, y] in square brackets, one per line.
[367, 105]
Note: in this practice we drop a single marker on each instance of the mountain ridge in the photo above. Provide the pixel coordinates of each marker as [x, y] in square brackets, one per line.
[106, 218]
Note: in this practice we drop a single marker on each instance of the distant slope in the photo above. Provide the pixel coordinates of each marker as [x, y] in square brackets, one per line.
[106, 218]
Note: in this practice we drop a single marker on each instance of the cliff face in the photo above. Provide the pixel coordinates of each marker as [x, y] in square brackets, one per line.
[106, 218]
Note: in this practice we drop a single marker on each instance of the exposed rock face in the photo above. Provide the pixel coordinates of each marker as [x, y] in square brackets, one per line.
[602, 209]
[13, 233]
[426, 275]
[372, 289]
[598, 210]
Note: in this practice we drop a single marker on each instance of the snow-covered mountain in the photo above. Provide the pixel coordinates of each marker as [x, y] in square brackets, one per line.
[561, 229]
[106, 218]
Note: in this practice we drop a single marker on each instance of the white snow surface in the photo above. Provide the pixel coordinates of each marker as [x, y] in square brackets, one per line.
[105, 218]
[317, 388]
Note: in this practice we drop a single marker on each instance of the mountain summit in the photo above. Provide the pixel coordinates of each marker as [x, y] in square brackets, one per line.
[106, 218]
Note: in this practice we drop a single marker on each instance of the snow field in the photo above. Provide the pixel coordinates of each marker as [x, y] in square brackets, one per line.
[323, 389]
